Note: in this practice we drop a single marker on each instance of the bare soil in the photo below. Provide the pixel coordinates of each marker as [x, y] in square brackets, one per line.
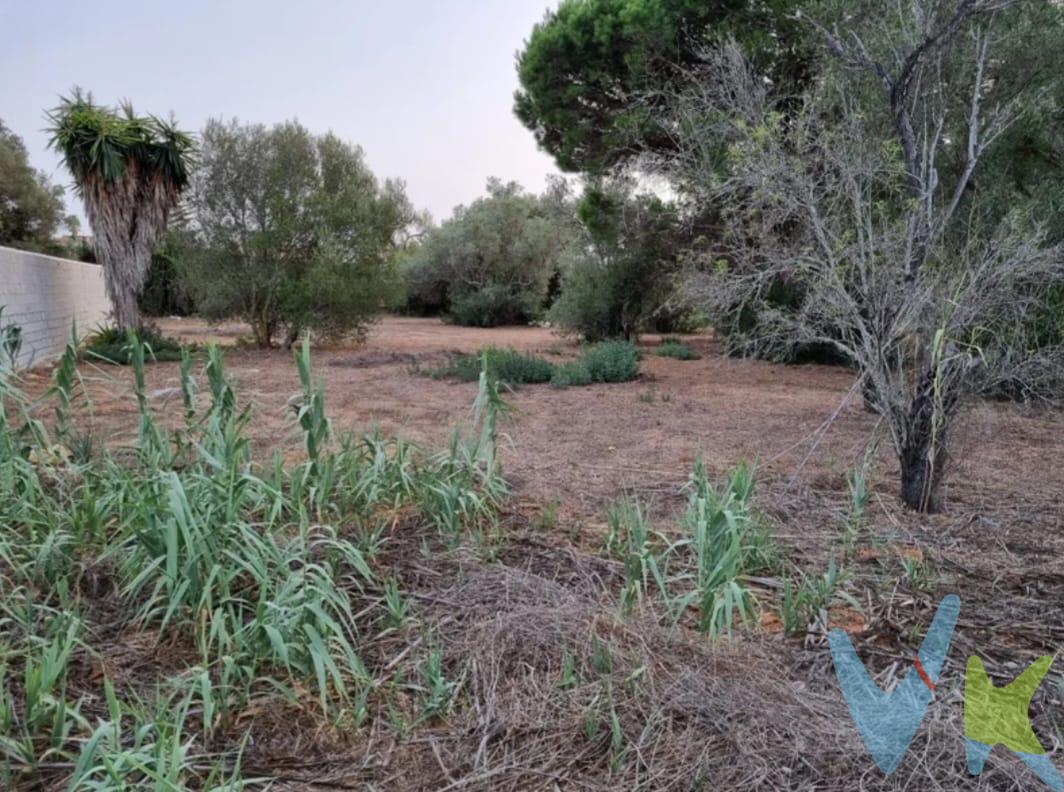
[998, 544]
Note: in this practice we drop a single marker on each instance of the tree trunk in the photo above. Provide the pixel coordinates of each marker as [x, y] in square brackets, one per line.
[921, 475]
[924, 456]
[124, 306]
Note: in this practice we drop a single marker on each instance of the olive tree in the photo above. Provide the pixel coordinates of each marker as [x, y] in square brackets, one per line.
[290, 231]
[853, 206]
[31, 208]
[496, 260]
[130, 171]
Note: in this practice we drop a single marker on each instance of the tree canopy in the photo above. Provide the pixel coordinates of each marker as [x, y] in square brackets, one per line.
[496, 260]
[291, 231]
[31, 208]
[588, 68]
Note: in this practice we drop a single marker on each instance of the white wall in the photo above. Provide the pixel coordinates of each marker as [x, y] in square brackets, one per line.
[43, 294]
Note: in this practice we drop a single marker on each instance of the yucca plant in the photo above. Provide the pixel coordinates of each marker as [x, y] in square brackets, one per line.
[130, 171]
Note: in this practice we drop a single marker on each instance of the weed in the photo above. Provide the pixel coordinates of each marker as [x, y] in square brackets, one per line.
[503, 365]
[802, 602]
[631, 539]
[568, 677]
[858, 488]
[919, 575]
[398, 606]
[548, 515]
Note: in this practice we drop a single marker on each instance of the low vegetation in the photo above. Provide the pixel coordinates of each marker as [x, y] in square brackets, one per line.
[261, 579]
[607, 361]
[115, 346]
[672, 347]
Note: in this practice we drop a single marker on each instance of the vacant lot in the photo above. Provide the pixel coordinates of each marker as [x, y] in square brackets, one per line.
[744, 710]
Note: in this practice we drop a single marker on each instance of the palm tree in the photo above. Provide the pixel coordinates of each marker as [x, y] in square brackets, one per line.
[130, 172]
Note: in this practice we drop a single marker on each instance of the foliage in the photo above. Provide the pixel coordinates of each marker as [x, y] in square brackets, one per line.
[722, 542]
[607, 361]
[589, 70]
[675, 348]
[131, 172]
[290, 231]
[163, 293]
[240, 565]
[618, 283]
[504, 365]
[112, 345]
[571, 374]
[611, 361]
[31, 209]
[493, 306]
[494, 262]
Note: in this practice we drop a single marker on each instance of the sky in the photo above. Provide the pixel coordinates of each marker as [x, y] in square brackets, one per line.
[424, 86]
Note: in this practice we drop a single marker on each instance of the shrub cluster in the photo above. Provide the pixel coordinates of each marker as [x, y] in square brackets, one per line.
[607, 361]
[611, 361]
[113, 345]
[675, 348]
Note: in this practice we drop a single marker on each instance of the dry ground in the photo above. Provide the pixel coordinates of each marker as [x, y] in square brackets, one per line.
[999, 543]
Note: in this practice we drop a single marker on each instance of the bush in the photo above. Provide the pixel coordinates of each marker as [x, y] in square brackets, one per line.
[573, 374]
[616, 287]
[111, 345]
[494, 306]
[504, 365]
[675, 348]
[163, 294]
[608, 361]
[611, 361]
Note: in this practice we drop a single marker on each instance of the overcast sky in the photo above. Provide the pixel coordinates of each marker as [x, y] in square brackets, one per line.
[424, 86]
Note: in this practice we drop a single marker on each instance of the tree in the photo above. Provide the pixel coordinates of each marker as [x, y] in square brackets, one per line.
[854, 207]
[622, 277]
[586, 69]
[130, 171]
[290, 231]
[495, 261]
[31, 208]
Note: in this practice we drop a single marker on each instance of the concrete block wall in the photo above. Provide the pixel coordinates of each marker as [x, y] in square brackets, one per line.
[43, 294]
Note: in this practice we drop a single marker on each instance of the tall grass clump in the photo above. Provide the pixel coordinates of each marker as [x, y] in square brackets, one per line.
[253, 575]
[723, 543]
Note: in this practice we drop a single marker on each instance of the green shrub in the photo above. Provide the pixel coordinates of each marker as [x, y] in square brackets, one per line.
[111, 345]
[494, 306]
[616, 287]
[573, 374]
[675, 348]
[504, 365]
[611, 361]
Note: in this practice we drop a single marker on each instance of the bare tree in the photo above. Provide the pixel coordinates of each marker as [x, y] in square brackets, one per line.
[856, 214]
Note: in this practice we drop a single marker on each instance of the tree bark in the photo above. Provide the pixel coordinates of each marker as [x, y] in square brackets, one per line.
[924, 456]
